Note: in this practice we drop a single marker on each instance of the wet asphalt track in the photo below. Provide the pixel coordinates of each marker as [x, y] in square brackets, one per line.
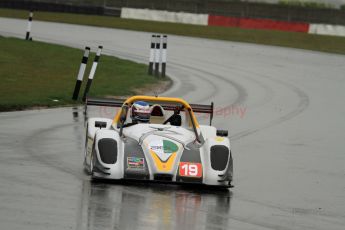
[288, 142]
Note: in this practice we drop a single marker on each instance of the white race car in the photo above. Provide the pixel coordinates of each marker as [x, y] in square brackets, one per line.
[170, 146]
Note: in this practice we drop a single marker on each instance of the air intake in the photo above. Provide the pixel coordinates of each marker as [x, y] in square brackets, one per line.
[219, 157]
[163, 177]
[108, 150]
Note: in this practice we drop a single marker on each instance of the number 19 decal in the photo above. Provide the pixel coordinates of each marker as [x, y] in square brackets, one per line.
[190, 169]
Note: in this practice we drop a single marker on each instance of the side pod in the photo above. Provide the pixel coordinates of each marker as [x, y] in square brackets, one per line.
[217, 162]
[108, 155]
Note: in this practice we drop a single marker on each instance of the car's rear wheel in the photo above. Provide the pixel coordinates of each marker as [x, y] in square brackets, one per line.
[85, 147]
[91, 165]
[92, 160]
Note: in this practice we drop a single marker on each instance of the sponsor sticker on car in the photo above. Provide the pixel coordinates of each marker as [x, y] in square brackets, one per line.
[135, 163]
[163, 148]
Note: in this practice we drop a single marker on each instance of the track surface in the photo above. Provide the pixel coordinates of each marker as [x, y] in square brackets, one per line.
[288, 142]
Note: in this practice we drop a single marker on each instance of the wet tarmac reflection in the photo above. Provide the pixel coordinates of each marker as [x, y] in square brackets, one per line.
[132, 205]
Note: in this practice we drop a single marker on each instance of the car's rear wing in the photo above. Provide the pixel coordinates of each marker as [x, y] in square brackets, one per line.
[197, 108]
[104, 102]
[208, 109]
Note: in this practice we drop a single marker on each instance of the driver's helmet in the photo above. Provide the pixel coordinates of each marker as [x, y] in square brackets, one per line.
[140, 112]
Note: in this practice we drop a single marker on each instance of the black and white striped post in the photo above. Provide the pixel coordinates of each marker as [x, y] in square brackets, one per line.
[157, 55]
[81, 73]
[28, 30]
[164, 54]
[92, 72]
[152, 54]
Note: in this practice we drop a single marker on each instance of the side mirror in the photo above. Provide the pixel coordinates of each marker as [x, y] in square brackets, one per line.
[123, 115]
[222, 133]
[100, 124]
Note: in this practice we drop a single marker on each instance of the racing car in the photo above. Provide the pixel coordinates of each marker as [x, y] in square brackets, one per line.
[155, 138]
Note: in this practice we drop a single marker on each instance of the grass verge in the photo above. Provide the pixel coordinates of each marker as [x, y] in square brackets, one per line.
[331, 44]
[40, 74]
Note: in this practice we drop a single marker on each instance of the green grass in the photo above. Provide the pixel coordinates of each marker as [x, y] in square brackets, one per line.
[306, 4]
[322, 43]
[36, 73]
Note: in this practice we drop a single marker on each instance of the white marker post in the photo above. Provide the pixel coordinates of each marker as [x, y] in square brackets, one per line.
[92, 72]
[164, 54]
[81, 73]
[152, 54]
[28, 30]
[157, 55]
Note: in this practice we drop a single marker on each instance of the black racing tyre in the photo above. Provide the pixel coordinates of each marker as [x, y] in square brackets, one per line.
[92, 159]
